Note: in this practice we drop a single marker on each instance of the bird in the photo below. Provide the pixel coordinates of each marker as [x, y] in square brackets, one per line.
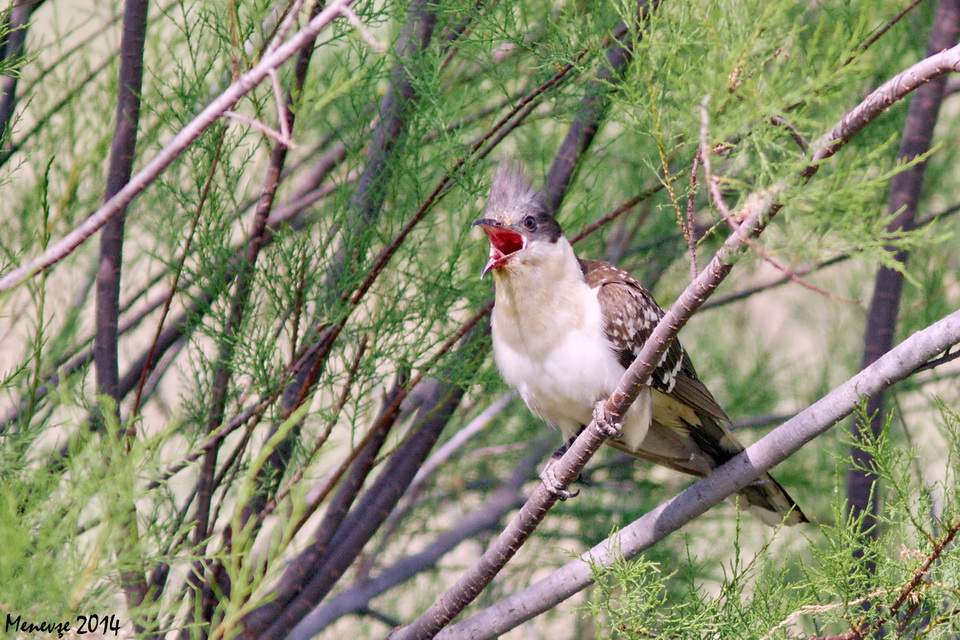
[564, 331]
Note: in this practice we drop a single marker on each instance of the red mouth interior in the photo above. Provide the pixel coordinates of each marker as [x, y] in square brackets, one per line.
[503, 241]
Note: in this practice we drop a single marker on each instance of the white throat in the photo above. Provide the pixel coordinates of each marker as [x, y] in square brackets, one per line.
[540, 294]
[549, 339]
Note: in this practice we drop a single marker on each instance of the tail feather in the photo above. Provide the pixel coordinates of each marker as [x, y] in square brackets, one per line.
[697, 449]
[765, 497]
[771, 503]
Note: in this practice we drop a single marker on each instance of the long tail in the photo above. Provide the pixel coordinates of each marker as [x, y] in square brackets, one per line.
[697, 449]
[765, 497]
[771, 503]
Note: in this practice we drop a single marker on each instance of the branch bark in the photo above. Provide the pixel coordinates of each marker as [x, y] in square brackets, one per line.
[122, 154]
[210, 114]
[905, 191]
[488, 516]
[775, 447]
[758, 210]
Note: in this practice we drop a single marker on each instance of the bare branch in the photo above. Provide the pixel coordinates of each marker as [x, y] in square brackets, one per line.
[485, 518]
[122, 154]
[280, 137]
[243, 85]
[757, 211]
[726, 480]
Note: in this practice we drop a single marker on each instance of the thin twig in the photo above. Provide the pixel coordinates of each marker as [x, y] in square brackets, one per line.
[364, 31]
[689, 229]
[717, 197]
[780, 121]
[879, 32]
[942, 360]
[281, 110]
[183, 139]
[278, 136]
[616, 213]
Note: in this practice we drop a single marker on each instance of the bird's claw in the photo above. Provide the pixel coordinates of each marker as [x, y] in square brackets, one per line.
[609, 427]
[549, 478]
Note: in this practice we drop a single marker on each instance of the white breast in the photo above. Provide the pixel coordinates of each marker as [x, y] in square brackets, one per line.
[549, 342]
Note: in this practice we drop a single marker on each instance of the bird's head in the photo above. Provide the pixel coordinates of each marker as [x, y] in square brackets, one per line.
[519, 228]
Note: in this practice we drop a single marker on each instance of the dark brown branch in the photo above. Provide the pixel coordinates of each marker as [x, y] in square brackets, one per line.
[591, 112]
[485, 518]
[743, 294]
[942, 360]
[720, 301]
[12, 50]
[312, 576]
[292, 581]
[908, 593]
[757, 212]
[276, 463]
[366, 204]
[377, 503]
[223, 368]
[368, 199]
[616, 213]
[305, 565]
[905, 190]
[882, 30]
[122, 154]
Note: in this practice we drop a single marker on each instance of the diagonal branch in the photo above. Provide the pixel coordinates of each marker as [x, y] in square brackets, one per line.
[592, 111]
[487, 517]
[210, 114]
[757, 211]
[775, 447]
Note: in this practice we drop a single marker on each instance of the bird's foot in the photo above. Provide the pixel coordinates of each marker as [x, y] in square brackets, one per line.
[553, 484]
[608, 425]
[549, 475]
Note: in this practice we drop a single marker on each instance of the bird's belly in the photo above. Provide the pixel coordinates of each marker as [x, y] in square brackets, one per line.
[562, 382]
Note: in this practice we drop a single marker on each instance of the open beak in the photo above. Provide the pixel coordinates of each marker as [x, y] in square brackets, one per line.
[504, 242]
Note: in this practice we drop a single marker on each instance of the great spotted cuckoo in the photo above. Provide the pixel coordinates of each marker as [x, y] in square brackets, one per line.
[565, 330]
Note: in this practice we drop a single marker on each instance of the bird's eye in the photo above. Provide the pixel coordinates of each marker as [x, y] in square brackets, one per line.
[530, 223]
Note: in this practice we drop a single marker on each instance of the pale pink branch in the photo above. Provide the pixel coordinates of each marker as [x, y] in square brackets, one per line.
[364, 31]
[186, 136]
[281, 109]
[270, 132]
[712, 184]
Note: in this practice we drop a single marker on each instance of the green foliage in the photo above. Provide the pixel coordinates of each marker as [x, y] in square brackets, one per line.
[821, 589]
[386, 297]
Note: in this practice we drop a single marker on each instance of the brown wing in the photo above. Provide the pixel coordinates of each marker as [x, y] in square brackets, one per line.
[631, 315]
[694, 437]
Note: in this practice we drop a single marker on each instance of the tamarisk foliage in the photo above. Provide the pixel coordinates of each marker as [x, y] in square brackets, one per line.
[245, 380]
